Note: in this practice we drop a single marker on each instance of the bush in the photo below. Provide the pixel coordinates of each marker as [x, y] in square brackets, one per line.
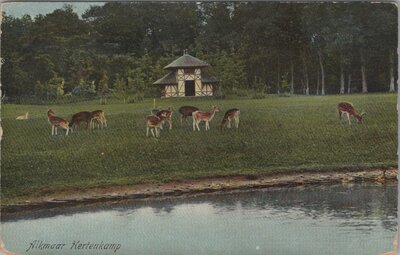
[284, 95]
[258, 96]
[138, 97]
[242, 93]
[220, 97]
[44, 100]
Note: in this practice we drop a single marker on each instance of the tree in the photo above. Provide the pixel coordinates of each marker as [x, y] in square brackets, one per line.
[250, 45]
[103, 87]
[230, 71]
[121, 87]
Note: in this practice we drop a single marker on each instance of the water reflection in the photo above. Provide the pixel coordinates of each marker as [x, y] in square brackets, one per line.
[355, 203]
[357, 219]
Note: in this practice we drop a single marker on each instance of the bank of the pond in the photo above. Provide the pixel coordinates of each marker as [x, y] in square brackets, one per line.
[193, 187]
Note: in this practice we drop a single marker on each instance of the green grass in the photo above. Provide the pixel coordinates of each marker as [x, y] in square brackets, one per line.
[276, 134]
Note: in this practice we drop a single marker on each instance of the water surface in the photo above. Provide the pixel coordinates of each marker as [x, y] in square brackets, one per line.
[352, 219]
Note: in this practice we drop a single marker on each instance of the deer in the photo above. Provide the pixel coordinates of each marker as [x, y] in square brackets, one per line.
[99, 117]
[230, 114]
[154, 123]
[23, 117]
[77, 118]
[186, 111]
[166, 115]
[348, 109]
[199, 116]
[57, 122]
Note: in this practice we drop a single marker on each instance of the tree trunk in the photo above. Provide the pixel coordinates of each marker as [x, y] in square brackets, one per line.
[278, 81]
[391, 69]
[349, 84]
[306, 80]
[307, 85]
[322, 73]
[291, 78]
[317, 91]
[363, 74]
[341, 79]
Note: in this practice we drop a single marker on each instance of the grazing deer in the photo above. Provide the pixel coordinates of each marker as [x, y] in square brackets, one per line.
[229, 115]
[186, 111]
[154, 123]
[56, 122]
[99, 117]
[348, 109]
[166, 116]
[77, 118]
[199, 116]
[23, 117]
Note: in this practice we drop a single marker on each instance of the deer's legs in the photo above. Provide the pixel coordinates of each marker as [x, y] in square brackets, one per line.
[67, 130]
[340, 116]
[52, 129]
[152, 132]
[229, 123]
[184, 118]
[147, 131]
[348, 117]
[237, 121]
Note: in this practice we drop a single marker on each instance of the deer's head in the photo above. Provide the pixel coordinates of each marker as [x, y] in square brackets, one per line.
[214, 108]
[50, 112]
[360, 117]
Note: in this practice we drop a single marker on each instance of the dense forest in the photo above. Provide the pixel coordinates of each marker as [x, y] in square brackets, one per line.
[264, 47]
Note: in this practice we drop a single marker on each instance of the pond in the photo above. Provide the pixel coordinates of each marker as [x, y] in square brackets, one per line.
[338, 219]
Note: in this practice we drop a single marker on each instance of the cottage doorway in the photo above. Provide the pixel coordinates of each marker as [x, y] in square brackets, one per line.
[189, 89]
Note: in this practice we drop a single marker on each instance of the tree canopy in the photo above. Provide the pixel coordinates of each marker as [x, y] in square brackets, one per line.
[270, 47]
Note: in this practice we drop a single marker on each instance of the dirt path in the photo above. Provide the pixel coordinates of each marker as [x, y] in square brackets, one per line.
[200, 186]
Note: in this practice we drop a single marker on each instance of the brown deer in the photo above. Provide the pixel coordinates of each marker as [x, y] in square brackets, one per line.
[166, 116]
[79, 117]
[348, 109]
[56, 122]
[230, 114]
[186, 111]
[199, 116]
[99, 117]
[154, 123]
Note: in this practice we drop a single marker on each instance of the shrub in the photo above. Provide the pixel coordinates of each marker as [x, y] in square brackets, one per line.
[258, 96]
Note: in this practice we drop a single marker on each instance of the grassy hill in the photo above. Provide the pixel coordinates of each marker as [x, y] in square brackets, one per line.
[276, 134]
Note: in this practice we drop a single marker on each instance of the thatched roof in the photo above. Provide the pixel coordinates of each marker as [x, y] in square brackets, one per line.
[169, 79]
[207, 78]
[186, 61]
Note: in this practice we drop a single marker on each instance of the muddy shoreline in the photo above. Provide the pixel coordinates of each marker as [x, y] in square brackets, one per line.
[196, 187]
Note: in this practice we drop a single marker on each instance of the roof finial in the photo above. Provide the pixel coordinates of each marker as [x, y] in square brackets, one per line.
[185, 52]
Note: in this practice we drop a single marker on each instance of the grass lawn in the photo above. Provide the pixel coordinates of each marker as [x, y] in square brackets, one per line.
[276, 134]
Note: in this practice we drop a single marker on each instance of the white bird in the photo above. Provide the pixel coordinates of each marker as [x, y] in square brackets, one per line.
[23, 117]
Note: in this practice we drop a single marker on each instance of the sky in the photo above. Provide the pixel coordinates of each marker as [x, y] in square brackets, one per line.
[35, 8]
